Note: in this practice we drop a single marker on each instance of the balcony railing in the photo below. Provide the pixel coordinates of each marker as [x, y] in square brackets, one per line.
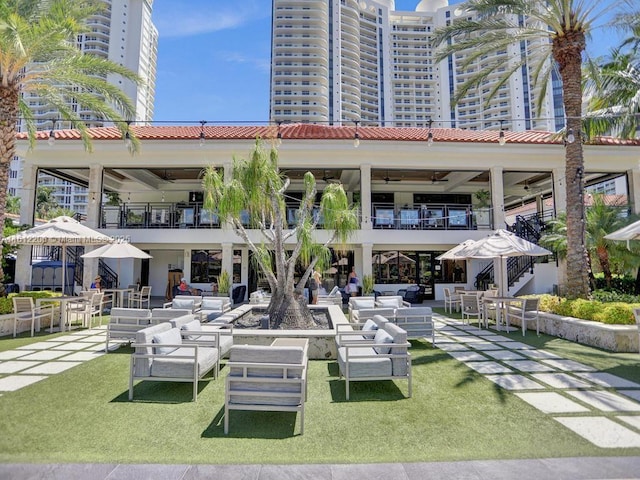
[384, 216]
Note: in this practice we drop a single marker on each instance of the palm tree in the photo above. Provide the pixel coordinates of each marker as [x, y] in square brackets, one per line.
[38, 55]
[45, 202]
[613, 85]
[557, 31]
[602, 218]
[255, 198]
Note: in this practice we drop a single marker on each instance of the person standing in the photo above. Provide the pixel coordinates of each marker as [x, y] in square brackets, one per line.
[314, 286]
[352, 282]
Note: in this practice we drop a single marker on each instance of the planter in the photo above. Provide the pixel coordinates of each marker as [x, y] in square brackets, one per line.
[614, 338]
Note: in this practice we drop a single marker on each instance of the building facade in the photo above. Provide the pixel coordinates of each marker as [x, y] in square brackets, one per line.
[360, 61]
[416, 199]
[123, 33]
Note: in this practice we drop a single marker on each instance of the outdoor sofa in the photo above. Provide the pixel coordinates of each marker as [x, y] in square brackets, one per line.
[124, 323]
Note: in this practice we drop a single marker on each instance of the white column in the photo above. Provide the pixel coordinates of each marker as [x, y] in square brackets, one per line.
[633, 176]
[186, 270]
[227, 259]
[27, 209]
[367, 254]
[94, 202]
[365, 196]
[497, 197]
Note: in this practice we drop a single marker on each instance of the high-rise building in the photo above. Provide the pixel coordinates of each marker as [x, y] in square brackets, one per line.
[124, 33]
[341, 61]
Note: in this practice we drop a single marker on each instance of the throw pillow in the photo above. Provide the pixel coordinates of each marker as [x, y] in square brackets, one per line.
[169, 337]
[193, 326]
[369, 325]
[382, 338]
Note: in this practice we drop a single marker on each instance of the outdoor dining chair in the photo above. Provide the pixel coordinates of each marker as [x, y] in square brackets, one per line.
[139, 299]
[25, 311]
[470, 305]
[450, 300]
[87, 307]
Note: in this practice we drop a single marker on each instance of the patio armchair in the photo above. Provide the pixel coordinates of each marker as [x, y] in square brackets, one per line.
[213, 307]
[125, 323]
[364, 314]
[219, 335]
[358, 332]
[259, 296]
[385, 358]
[359, 303]
[266, 378]
[185, 302]
[451, 300]
[25, 311]
[159, 315]
[392, 301]
[334, 297]
[417, 322]
[525, 312]
[161, 354]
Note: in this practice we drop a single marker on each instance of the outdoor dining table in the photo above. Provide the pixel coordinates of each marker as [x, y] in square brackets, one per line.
[118, 295]
[502, 304]
[63, 307]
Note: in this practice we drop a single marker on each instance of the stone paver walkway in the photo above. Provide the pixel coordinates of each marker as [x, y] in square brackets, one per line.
[600, 407]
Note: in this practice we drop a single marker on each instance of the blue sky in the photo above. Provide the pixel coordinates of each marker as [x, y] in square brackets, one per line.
[214, 59]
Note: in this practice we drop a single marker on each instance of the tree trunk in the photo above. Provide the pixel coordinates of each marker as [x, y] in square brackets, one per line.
[567, 51]
[289, 311]
[603, 259]
[8, 118]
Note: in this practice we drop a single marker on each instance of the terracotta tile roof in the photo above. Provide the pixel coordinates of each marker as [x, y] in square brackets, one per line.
[307, 131]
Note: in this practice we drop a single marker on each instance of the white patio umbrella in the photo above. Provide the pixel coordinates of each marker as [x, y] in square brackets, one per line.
[502, 244]
[451, 253]
[117, 250]
[60, 231]
[630, 232]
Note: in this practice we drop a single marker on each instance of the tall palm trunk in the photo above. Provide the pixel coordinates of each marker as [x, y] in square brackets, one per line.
[567, 52]
[8, 117]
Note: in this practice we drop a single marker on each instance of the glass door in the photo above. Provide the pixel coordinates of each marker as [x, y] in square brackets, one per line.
[427, 273]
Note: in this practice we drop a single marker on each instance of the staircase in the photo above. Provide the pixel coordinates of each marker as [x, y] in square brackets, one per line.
[519, 269]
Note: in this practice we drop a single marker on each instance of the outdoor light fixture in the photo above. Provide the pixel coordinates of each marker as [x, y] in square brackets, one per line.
[52, 135]
[501, 138]
[202, 135]
[430, 135]
[526, 185]
[163, 196]
[127, 136]
[356, 137]
[570, 136]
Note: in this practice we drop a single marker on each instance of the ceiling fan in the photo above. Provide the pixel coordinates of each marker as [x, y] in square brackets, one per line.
[329, 178]
[166, 176]
[388, 179]
[435, 180]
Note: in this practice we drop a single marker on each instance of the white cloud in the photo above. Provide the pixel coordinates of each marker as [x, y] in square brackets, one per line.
[263, 64]
[173, 20]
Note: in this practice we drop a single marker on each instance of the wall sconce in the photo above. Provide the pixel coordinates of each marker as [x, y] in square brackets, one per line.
[501, 138]
[526, 185]
[356, 137]
[203, 137]
[127, 136]
[430, 134]
[163, 196]
[93, 197]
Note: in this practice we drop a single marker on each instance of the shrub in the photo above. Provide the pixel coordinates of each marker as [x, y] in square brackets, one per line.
[564, 308]
[609, 296]
[6, 304]
[548, 303]
[624, 284]
[585, 309]
[616, 313]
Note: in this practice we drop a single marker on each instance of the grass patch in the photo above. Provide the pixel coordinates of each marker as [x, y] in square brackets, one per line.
[83, 415]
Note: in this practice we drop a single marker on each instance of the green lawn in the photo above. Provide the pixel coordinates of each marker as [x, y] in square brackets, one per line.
[83, 415]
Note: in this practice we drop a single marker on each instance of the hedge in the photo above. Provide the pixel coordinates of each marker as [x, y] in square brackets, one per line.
[615, 312]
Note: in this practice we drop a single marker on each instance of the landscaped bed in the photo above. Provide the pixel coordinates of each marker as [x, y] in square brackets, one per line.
[83, 415]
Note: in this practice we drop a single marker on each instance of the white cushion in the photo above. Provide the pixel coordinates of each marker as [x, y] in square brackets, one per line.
[212, 304]
[171, 337]
[381, 338]
[183, 303]
[193, 326]
[363, 303]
